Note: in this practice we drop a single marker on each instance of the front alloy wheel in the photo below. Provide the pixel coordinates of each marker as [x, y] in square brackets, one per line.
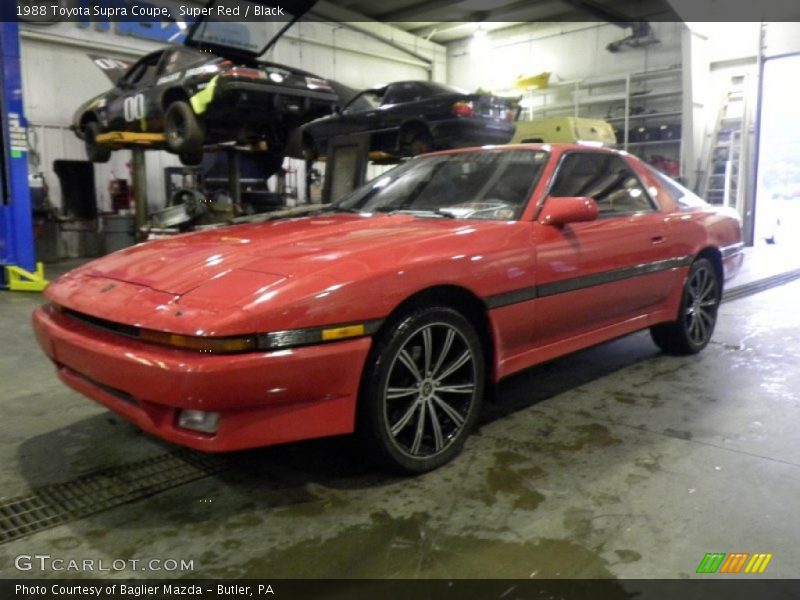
[692, 331]
[423, 394]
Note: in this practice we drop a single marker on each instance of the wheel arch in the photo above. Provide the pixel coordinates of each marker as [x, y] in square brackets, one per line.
[87, 118]
[464, 302]
[714, 256]
[411, 124]
[171, 95]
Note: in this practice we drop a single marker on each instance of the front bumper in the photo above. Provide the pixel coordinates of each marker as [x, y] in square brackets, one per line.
[264, 398]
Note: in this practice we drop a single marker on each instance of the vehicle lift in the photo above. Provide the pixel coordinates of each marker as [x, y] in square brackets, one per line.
[19, 270]
[138, 143]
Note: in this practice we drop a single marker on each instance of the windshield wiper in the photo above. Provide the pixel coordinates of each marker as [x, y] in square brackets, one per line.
[341, 209]
[416, 212]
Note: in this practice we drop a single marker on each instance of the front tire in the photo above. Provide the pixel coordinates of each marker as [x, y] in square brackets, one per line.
[422, 390]
[96, 153]
[183, 130]
[697, 316]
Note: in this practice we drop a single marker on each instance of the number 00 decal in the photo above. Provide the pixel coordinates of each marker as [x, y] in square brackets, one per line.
[133, 107]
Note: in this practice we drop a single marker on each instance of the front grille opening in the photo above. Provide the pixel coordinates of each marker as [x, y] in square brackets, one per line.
[104, 324]
[117, 393]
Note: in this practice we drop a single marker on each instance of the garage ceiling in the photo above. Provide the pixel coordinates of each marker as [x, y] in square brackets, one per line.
[449, 20]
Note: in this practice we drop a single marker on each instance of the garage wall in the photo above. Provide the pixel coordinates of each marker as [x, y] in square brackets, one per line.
[568, 50]
[58, 76]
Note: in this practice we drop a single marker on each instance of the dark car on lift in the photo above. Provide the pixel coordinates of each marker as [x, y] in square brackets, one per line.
[407, 118]
[212, 90]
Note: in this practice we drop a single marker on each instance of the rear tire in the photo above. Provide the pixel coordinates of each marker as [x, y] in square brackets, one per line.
[271, 163]
[697, 316]
[417, 141]
[96, 153]
[422, 390]
[191, 159]
[183, 130]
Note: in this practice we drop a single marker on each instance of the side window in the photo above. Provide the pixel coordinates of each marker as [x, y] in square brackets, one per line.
[606, 178]
[144, 71]
[403, 92]
[683, 197]
[177, 60]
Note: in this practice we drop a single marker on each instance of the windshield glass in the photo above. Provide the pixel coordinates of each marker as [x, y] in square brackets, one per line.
[489, 184]
[365, 101]
[439, 88]
[242, 25]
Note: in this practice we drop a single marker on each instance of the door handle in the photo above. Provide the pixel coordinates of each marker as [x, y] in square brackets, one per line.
[658, 239]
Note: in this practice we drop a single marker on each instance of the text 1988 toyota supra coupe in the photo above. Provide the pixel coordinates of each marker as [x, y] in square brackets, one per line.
[391, 312]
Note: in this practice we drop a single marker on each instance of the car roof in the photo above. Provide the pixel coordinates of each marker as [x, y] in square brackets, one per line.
[422, 82]
[558, 148]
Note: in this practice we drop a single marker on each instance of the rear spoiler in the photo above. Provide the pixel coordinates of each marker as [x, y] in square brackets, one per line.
[113, 68]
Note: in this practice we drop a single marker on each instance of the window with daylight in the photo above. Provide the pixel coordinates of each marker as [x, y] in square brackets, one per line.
[606, 178]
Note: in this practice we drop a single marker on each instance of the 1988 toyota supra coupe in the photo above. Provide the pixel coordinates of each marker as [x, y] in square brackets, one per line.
[392, 311]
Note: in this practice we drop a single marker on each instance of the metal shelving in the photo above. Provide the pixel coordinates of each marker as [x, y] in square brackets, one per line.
[658, 91]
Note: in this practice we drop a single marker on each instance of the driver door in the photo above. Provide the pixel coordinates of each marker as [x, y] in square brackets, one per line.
[599, 273]
[130, 110]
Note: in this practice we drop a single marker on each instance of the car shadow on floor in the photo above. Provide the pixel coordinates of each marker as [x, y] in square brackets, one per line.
[127, 485]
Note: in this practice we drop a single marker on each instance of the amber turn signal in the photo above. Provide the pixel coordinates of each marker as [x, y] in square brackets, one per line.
[220, 345]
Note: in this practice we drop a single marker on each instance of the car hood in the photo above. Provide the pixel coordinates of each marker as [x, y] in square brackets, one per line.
[283, 249]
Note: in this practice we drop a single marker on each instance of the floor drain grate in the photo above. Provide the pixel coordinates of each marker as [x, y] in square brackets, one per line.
[760, 285]
[53, 505]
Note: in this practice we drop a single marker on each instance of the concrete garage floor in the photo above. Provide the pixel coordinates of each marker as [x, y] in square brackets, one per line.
[615, 462]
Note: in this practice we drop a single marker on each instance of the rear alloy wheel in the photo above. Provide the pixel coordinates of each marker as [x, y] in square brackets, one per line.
[96, 153]
[422, 390]
[693, 328]
[183, 130]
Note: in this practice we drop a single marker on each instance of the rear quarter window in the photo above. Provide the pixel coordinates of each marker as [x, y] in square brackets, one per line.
[684, 198]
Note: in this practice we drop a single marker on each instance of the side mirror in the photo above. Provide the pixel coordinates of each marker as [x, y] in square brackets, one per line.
[559, 211]
[337, 110]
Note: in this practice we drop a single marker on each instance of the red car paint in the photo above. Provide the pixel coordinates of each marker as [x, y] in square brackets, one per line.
[338, 269]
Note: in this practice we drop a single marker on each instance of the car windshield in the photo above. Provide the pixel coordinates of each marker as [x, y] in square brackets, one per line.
[490, 184]
[243, 25]
[438, 88]
[367, 100]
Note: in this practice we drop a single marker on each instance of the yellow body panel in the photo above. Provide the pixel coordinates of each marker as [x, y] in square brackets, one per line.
[126, 137]
[567, 130]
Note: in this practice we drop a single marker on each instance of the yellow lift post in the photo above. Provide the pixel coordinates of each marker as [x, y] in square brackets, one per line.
[138, 143]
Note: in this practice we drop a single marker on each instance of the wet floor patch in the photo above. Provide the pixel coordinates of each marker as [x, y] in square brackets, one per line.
[511, 477]
[414, 547]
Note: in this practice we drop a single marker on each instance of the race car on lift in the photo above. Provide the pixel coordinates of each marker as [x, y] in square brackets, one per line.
[211, 90]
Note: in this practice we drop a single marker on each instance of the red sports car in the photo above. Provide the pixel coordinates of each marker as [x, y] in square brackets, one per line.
[391, 312]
